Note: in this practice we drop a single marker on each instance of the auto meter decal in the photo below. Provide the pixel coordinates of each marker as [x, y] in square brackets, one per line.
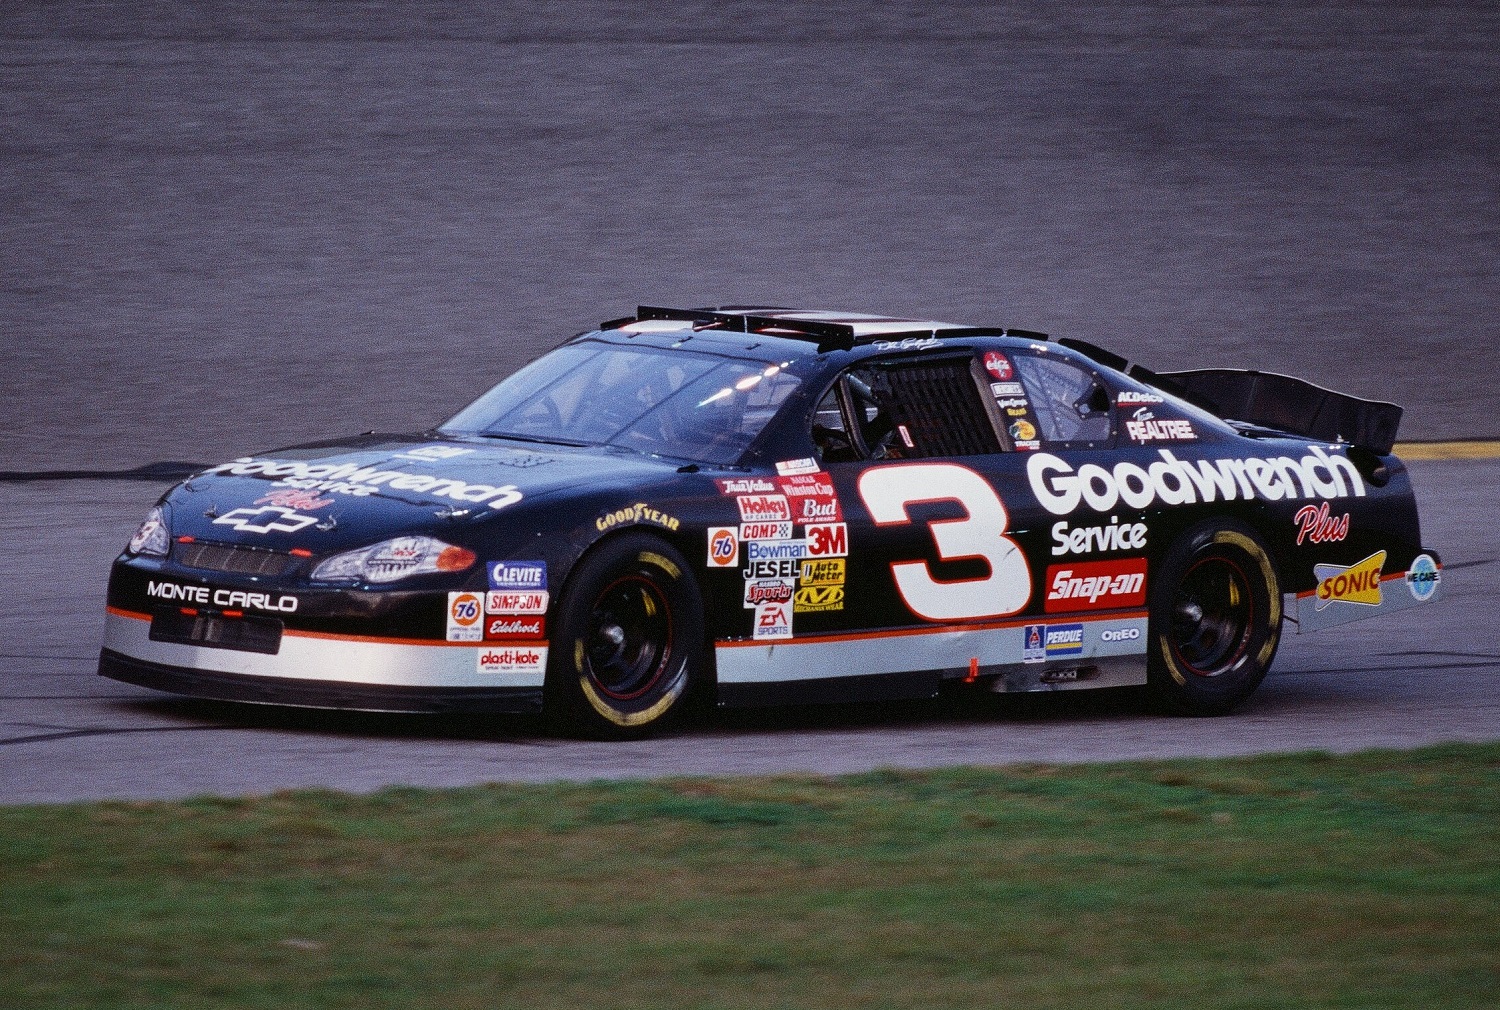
[1358, 583]
[1096, 585]
[723, 547]
[465, 617]
[998, 365]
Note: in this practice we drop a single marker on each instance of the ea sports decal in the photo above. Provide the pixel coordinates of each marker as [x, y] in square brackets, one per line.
[1359, 583]
[465, 617]
[773, 621]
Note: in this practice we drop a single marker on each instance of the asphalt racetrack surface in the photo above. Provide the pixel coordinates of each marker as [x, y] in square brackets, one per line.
[1424, 675]
[224, 229]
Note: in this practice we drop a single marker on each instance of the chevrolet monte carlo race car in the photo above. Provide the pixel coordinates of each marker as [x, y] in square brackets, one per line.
[765, 506]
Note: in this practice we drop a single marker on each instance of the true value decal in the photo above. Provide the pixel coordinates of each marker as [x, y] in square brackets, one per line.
[1062, 490]
[1358, 583]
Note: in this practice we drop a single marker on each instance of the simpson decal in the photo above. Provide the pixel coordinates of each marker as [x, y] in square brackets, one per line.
[1359, 583]
[505, 602]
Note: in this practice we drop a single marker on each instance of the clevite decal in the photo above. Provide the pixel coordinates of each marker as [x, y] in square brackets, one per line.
[1061, 490]
[516, 574]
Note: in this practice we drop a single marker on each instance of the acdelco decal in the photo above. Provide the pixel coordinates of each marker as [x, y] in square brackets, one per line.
[640, 512]
[1096, 585]
[353, 479]
[1358, 583]
[1061, 490]
[230, 599]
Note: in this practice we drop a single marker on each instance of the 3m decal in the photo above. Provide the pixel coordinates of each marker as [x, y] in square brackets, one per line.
[465, 617]
[764, 508]
[1117, 536]
[791, 466]
[1096, 585]
[723, 547]
[887, 491]
[828, 541]
[1422, 578]
[823, 573]
[1061, 490]
[228, 599]
[519, 626]
[814, 599]
[507, 602]
[640, 512]
[1359, 583]
[294, 498]
[773, 621]
[266, 519]
[517, 574]
[998, 365]
[353, 479]
[768, 591]
[1317, 526]
[512, 659]
[766, 531]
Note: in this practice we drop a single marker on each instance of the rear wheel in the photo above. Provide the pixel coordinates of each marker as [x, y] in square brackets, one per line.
[1215, 620]
[629, 640]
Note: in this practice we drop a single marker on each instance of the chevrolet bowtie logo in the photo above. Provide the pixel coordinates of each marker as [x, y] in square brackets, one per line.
[282, 520]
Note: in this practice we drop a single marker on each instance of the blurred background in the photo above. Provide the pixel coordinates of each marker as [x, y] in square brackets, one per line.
[229, 227]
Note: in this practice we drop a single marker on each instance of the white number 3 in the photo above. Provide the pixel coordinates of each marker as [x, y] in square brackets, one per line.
[887, 491]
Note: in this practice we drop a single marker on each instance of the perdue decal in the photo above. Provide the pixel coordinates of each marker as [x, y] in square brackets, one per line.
[1061, 490]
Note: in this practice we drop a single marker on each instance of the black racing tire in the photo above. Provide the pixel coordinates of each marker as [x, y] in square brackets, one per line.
[1215, 620]
[628, 648]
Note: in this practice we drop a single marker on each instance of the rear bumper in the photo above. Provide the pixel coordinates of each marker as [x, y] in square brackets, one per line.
[317, 693]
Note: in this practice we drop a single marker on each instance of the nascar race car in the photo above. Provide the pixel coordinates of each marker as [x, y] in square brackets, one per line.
[765, 506]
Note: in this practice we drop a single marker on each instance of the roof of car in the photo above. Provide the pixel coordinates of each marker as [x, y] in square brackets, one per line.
[830, 329]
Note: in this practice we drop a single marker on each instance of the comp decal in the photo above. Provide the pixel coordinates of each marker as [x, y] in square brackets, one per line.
[1062, 490]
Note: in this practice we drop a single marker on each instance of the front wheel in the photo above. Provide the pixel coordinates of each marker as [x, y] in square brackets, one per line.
[629, 640]
[1215, 620]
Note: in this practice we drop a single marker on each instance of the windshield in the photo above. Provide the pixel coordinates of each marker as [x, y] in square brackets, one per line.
[670, 403]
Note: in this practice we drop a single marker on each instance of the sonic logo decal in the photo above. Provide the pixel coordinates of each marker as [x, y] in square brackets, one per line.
[1358, 583]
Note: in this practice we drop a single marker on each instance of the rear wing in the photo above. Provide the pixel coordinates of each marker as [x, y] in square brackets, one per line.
[1287, 404]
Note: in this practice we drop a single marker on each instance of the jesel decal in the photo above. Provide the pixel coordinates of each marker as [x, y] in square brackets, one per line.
[1358, 583]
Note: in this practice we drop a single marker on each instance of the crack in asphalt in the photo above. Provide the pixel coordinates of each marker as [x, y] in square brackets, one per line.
[110, 731]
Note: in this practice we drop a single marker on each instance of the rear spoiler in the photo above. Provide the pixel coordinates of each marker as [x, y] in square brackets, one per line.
[1287, 404]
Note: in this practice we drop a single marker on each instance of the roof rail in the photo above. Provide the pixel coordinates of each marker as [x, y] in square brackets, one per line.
[830, 336]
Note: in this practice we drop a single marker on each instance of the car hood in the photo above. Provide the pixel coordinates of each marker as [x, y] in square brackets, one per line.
[329, 496]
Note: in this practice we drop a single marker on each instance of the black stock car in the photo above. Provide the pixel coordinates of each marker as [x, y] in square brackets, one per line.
[765, 506]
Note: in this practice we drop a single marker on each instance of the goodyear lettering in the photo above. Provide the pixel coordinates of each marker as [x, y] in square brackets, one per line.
[640, 512]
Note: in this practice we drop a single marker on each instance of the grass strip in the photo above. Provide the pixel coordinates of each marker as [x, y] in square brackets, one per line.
[1288, 881]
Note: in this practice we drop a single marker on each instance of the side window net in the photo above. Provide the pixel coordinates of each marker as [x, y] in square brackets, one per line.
[925, 409]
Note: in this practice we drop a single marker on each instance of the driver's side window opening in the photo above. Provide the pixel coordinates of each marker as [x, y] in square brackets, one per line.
[904, 410]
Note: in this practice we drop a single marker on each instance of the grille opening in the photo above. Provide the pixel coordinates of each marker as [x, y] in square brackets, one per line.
[225, 558]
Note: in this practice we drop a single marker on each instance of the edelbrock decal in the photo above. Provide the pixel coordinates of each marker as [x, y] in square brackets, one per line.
[1061, 490]
[360, 481]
